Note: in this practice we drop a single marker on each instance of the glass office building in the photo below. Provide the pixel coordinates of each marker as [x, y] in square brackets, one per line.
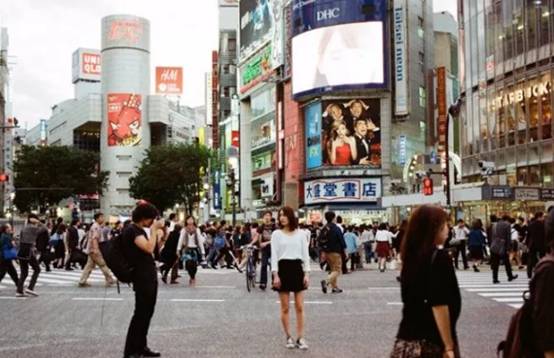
[508, 66]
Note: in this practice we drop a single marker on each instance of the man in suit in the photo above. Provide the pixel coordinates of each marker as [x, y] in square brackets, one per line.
[363, 148]
[500, 248]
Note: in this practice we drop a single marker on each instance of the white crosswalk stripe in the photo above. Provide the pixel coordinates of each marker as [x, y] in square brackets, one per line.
[57, 278]
[508, 293]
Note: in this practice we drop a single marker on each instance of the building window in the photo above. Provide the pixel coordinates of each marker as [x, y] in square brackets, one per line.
[420, 27]
[232, 44]
[421, 59]
[225, 92]
[422, 97]
[226, 69]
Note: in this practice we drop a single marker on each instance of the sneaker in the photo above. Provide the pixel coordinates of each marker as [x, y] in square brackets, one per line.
[290, 343]
[301, 344]
[336, 290]
[31, 292]
[324, 286]
[21, 295]
[86, 284]
[513, 278]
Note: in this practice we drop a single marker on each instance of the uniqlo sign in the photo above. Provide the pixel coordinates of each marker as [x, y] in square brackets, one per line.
[91, 63]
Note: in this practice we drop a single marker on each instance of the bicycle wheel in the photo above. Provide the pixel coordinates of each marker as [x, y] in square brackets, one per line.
[248, 276]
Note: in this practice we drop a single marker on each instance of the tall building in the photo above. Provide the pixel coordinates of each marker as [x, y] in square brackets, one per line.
[5, 134]
[506, 116]
[328, 121]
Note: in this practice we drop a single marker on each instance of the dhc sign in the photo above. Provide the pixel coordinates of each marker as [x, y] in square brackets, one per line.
[328, 14]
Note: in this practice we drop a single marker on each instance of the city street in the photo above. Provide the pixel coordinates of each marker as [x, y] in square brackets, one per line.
[219, 318]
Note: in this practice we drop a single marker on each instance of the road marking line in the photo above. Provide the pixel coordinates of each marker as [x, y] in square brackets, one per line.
[500, 289]
[194, 300]
[222, 287]
[501, 294]
[1, 286]
[383, 288]
[11, 298]
[394, 303]
[96, 299]
[509, 300]
[492, 286]
[516, 305]
[311, 302]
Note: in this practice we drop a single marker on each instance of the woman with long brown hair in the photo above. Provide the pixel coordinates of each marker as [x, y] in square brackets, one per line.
[430, 291]
[290, 263]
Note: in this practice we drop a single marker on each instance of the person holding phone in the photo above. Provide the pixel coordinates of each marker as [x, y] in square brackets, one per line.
[139, 247]
[290, 265]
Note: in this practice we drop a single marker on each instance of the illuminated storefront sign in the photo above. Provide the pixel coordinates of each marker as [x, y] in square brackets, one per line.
[519, 95]
[344, 190]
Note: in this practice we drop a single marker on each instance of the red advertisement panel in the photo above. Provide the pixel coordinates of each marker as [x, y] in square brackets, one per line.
[169, 80]
[124, 119]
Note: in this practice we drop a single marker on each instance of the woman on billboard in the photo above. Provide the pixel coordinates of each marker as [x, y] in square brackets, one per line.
[342, 148]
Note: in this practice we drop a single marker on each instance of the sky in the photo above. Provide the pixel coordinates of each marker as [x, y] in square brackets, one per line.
[44, 33]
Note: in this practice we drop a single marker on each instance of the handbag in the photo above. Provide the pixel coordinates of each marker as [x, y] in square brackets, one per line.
[10, 253]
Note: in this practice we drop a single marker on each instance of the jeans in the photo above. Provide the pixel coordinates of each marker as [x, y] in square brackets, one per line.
[334, 260]
[368, 252]
[266, 259]
[461, 248]
[495, 263]
[93, 260]
[24, 263]
[7, 266]
[145, 285]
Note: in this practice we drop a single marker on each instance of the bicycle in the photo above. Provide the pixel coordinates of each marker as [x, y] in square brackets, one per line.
[250, 268]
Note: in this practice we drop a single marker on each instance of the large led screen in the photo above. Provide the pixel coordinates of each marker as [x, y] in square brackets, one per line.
[338, 57]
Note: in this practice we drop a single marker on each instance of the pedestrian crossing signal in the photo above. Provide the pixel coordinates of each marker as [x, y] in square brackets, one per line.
[427, 186]
[4, 178]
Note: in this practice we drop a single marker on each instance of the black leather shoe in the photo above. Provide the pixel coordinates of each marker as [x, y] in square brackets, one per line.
[513, 278]
[147, 352]
[133, 356]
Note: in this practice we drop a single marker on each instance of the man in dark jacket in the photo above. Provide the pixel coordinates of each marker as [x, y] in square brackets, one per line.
[500, 248]
[43, 247]
[535, 242]
[27, 256]
[72, 243]
[333, 246]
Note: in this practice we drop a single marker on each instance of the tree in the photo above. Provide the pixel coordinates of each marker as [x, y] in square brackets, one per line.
[171, 174]
[45, 175]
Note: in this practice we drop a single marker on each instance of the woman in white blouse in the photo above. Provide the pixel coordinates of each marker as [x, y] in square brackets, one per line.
[191, 246]
[383, 237]
[290, 264]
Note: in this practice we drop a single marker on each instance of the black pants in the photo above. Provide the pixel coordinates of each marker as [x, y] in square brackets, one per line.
[224, 252]
[533, 257]
[145, 286]
[45, 258]
[173, 266]
[7, 266]
[71, 258]
[461, 248]
[495, 263]
[24, 264]
[266, 260]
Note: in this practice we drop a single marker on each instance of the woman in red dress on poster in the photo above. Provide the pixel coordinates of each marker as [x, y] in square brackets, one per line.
[343, 147]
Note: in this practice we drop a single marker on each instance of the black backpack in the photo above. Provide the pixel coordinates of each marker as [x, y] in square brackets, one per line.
[114, 255]
[323, 238]
[520, 341]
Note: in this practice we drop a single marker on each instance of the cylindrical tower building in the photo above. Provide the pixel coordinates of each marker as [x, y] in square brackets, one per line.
[125, 131]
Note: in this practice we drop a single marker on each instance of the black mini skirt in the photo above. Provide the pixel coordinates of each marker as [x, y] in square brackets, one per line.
[291, 275]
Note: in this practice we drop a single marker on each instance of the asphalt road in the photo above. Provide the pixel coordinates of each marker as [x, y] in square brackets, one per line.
[219, 318]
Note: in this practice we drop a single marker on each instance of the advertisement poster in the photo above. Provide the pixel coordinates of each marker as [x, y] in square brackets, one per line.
[124, 119]
[169, 80]
[347, 190]
[338, 57]
[312, 118]
[256, 24]
[351, 133]
[91, 63]
[400, 59]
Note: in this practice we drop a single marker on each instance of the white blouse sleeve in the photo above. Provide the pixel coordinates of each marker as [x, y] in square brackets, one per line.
[306, 256]
[201, 240]
[274, 247]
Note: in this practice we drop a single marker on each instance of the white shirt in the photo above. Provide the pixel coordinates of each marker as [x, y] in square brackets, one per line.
[384, 236]
[191, 242]
[366, 236]
[291, 246]
[461, 232]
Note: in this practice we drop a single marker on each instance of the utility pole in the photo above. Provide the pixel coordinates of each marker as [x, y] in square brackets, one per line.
[232, 181]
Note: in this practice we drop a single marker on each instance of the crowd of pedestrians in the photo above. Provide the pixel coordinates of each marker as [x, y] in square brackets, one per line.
[428, 248]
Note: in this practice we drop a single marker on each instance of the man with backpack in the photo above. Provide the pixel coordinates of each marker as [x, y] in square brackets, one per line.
[332, 244]
[137, 250]
[500, 248]
[94, 254]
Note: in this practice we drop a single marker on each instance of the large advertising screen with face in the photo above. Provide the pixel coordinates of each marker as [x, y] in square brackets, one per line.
[124, 119]
[338, 57]
[350, 133]
[256, 24]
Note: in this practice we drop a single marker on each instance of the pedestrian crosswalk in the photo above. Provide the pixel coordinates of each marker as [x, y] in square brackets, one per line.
[480, 283]
[57, 278]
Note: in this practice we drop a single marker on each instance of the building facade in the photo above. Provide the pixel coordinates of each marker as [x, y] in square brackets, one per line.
[508, 56]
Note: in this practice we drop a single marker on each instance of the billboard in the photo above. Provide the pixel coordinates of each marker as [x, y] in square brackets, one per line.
[342, 190]
[312, 120]
[87, 65]
[124, 119]
[400, 59]
[120, 31]
[350, 132]
[310, 15]
[256, 24]
[349, 56]
[169, 80]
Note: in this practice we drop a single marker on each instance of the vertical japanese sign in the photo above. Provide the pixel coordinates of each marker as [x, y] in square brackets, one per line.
[442, 112]
[400, 59]
[169, 80]
[312, 119]
[124, 119]
[349, 190]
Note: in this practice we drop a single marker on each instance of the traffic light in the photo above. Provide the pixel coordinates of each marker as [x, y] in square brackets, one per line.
[427, 186]
[4, 177]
